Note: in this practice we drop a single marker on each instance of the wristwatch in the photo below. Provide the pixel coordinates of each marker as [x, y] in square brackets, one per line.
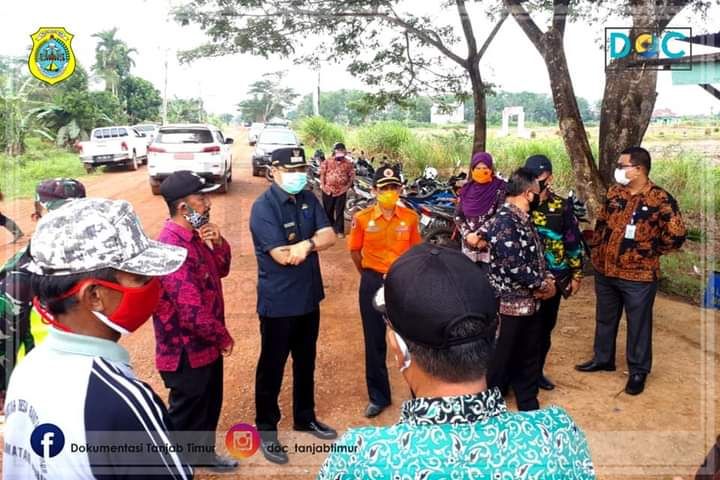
[312, 244]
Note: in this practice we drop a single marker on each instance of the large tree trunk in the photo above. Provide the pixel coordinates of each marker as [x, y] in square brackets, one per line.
[587, 178]
[478, 90]
[627, 106]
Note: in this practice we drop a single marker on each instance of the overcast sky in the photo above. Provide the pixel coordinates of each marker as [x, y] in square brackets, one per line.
[511, 62]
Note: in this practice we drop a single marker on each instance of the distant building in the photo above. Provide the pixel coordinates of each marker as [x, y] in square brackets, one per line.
[443, 118]
[665, 116]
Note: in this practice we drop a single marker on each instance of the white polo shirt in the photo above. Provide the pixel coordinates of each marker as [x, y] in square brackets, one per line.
[75, 390]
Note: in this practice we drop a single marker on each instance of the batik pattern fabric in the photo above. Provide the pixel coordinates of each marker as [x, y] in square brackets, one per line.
[517, 266]
[338, 176]
[468, 225]
[558, 228]
[658, 229]
[464, 437]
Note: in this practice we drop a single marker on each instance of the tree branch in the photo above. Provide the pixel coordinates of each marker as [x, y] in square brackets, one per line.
[493, 33]
[560, 10]
[468, 30]
[522, 17]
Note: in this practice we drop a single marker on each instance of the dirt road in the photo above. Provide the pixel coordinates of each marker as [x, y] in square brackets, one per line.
[663, 432]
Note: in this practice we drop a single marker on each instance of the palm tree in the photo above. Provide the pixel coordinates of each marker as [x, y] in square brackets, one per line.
[112, 59]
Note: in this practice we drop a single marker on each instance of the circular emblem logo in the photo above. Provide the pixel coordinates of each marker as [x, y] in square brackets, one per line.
[52, 57]
[388, 172]
[47, 440]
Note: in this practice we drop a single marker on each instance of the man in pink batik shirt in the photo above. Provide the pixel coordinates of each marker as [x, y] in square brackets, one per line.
[190, 318]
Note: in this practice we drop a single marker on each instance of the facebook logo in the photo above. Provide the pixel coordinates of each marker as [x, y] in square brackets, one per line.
[47, 440]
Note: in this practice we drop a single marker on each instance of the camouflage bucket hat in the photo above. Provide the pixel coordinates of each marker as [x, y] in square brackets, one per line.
[90, 234]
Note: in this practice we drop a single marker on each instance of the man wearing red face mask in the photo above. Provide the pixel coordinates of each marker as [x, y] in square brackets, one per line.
[189, 321]
[95, 278]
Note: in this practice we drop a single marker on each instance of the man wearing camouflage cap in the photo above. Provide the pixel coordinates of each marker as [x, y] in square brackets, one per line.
[19, 322]
[95, 278]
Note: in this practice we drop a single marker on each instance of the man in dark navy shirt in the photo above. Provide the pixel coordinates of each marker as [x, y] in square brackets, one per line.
[288, 227]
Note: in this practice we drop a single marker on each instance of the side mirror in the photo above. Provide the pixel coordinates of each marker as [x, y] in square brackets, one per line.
[229, 141]
[252, 143]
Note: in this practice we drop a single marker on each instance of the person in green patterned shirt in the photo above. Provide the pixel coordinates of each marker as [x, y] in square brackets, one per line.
[555, 222]
[442, 322]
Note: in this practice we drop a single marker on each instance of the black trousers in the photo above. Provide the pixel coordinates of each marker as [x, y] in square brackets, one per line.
[195, 400]
[547, 316]
[515, 362]
[335, 210]
[280, 337]
[636, 298]
[376, 372]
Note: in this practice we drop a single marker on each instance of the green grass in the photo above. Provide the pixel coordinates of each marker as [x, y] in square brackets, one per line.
[20, 175]
[678, 276]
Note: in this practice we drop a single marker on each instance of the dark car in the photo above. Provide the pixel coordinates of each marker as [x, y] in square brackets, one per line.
[268, 141]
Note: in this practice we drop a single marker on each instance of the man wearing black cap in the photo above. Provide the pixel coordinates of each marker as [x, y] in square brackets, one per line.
[336, 177]
[379, 235]
[558, 228]
[288, 227]
[191, 337]
[442, 319]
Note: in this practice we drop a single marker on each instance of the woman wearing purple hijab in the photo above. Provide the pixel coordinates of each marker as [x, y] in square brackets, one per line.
[478, 201]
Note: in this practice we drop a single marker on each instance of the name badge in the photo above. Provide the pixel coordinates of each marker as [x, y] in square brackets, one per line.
[288, 225]
[630, 232]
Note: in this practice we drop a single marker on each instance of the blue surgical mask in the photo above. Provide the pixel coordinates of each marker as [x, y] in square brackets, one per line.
[293, 182]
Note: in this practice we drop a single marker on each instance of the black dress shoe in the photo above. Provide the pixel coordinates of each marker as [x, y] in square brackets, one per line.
[221, 463]
[593, 366]
[373, 410]
[274, 451]
[545, 383]
[318, 429]
[635, 384]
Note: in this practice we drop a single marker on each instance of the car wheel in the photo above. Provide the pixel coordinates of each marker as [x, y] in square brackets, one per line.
[268, 174]
[230, 175]
[223, 185]
[133, 165]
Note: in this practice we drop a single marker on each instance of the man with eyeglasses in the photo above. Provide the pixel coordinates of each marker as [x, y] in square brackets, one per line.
[638, 223]
[521, 280]
[288, 227]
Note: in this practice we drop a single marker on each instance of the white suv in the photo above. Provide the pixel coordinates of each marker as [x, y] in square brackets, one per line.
[199, 148]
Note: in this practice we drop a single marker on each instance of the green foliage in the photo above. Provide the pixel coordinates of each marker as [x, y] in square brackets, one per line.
[539, 108]
[383, 138]
[267, 99]
[41, 161]
[181, 110]
[141, 99]
[677, 274]
[112, 59]
[317, 132]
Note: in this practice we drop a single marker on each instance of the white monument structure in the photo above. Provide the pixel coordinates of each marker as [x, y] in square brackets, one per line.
[441, 118]
[518, 112]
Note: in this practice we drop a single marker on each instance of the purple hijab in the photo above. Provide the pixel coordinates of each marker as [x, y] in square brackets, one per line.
[476, 199]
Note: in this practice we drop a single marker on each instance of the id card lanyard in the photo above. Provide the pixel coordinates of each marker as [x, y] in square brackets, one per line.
[630, 228]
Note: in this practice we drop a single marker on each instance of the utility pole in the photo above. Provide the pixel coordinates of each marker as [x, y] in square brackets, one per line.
[165, 100]
[316, 102]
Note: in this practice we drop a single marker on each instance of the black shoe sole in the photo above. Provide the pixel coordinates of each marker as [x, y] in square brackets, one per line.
[546, 387]
[605, 368]
[316, 434]
[274, 459]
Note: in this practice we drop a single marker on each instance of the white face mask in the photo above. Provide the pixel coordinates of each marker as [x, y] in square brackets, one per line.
[406, 353]
[621, 176]
[109, 323]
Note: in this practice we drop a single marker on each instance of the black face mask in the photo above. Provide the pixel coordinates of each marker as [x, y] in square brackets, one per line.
[535, 202]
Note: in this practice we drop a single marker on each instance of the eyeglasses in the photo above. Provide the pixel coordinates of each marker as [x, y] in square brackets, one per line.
[623, 166]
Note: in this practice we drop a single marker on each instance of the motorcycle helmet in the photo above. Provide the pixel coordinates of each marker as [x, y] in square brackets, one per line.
[430, 173]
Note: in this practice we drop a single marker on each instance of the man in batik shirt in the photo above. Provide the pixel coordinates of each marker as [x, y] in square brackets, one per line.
[442, 336]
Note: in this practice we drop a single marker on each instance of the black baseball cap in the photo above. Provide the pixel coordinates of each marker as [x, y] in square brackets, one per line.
[288, 157]
[339, 146]
[386, 175]
[538, 164]
[430, 289]
[183, 183]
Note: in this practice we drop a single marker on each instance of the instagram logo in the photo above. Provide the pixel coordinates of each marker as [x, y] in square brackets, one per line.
[242, 440]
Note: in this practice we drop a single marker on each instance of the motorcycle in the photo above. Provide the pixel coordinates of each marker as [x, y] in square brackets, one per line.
[437, 226]
[359, 197]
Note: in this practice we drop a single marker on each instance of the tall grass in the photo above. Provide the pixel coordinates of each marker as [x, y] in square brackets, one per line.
[317, 132]
[20, 175]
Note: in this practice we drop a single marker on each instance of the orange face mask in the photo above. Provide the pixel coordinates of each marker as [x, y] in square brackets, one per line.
[483, 175]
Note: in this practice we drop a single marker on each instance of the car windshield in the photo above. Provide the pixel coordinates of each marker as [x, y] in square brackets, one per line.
[145, 128]
[184, 135]
[277, 137]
